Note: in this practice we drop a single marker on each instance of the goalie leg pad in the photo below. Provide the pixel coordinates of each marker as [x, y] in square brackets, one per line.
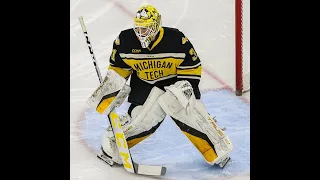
[144, 121]
[195, 122]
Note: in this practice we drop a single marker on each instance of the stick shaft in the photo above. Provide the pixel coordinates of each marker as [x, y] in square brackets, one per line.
[84, 29]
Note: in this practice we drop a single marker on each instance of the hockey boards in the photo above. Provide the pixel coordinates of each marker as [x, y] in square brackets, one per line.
[124, 152]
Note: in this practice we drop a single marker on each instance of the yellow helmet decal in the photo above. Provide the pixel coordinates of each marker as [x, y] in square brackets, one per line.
[146, 15]
[147, 24]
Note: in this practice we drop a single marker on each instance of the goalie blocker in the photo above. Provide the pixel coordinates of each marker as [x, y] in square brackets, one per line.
[191, 117]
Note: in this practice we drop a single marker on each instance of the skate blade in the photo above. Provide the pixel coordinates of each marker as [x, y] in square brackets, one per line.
[105, 159]
[223, 163]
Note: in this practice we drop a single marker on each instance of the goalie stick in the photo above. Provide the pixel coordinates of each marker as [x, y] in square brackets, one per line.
[114, 121]
[84, 29]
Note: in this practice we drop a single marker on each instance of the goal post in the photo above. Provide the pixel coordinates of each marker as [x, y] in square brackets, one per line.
[242, 46]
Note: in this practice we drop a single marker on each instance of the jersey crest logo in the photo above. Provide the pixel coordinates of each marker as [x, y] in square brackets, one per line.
[184, 40]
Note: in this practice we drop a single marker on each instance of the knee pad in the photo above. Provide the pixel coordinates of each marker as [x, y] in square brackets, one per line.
[144, 120]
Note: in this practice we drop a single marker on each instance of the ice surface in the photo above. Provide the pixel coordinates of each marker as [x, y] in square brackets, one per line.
[209, 25]
[170, 148]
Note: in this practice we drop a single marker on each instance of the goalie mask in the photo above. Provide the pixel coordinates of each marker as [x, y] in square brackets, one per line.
[147, 24]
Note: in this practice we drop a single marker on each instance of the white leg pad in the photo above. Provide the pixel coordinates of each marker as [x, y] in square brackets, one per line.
[143, 119]
[196, 117]
[147, 116]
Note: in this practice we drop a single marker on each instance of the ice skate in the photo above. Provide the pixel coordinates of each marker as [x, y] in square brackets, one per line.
[223, 152]
[105, 157]
[224, 162]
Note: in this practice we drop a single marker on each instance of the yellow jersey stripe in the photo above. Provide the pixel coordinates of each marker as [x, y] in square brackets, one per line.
[193, 71]
[121, 71]
[158, 40]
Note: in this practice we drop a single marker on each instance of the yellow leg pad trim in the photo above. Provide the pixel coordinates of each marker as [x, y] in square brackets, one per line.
[104, 104]
[203, 146]
[135, 141]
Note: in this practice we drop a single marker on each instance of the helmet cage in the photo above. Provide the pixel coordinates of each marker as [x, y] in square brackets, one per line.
[146, 31]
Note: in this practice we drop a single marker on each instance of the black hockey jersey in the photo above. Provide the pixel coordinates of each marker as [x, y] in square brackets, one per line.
[170, 58]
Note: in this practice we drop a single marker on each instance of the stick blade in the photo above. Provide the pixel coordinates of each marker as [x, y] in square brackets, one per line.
[150, 170]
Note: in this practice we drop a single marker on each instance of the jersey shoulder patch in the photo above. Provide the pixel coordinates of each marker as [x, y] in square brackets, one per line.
[117, 41]
[184, 40]
[176, 34]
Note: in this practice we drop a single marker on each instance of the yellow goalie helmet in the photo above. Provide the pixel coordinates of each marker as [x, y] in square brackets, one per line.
[147, 24]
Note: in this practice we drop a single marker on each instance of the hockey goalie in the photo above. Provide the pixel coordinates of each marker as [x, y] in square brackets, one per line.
[165, 72]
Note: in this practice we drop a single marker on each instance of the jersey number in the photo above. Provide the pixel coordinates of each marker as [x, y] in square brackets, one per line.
[113, 55]
[193, 54]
